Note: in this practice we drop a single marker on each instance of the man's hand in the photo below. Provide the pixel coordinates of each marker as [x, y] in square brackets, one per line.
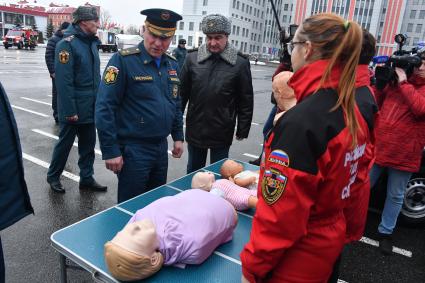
[244, 280]
[114, 164]
[72, 118]
[401, 75]
[177, 149]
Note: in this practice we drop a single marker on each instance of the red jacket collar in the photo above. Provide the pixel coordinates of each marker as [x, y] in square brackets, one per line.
[362, 76]
[306, 80]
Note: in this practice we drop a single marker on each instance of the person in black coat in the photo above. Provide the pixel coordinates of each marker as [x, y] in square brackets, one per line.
[50, 62]
[14, 198]
[216, 85]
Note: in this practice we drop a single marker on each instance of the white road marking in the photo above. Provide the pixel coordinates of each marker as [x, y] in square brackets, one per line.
[35, 100]
[256, 124]
[30, 111]
[395, 249]
[57, 138]
[251, 155]
[50, 95]
[342, 281]
[46, 165]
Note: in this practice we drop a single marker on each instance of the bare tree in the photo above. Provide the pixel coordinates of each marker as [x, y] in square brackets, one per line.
[105, 19]
[132, 29]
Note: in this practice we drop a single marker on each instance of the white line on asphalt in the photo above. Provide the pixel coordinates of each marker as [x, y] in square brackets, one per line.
[251, 155]
[49, 95]
[256, 124]
[342, 281]
[395, 249]
[57, 138]
[46, 165]
[30, 111]
[35, 100]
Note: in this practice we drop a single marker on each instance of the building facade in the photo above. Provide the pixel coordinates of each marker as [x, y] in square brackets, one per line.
[255, 30]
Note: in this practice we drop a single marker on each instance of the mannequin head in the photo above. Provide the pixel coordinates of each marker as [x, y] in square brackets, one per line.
[230, 168]
[203, 181]
[132, 254]
[283, 94]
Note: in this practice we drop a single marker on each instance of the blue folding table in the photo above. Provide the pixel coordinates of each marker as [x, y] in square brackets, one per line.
[83, 241]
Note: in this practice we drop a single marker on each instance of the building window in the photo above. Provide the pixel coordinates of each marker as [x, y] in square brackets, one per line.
[284, 18]
[29, 20]
[189, 40]
[409, 27]
[191, 24]
[422, 14]
[234, 4]
[200, 26]
[181, 26]
[243, 7]
[180, 37]
[419, 28]
[415, 40]
[237, 30]
[233, 29]
[237, 5]
[413, 14]
[200, 39]
[285, 7]
[205, 2]
[204, 12]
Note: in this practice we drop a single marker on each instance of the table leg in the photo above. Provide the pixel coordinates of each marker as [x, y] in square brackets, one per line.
[62, 260]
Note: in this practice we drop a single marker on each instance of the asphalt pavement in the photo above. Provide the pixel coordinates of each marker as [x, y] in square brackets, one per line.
[28, 254]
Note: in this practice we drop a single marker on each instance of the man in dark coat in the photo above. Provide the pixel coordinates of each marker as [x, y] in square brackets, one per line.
[77, 66]
[50, 62]
[15, 202]
[180, 52]
[216, 84]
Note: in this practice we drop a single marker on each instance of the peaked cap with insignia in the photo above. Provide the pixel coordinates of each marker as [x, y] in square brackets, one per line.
[161, 22]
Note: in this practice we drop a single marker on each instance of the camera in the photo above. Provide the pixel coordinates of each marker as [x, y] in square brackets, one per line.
[284, 38]
[406, 60]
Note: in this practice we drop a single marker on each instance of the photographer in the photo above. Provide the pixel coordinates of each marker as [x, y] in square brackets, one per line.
[399, 142]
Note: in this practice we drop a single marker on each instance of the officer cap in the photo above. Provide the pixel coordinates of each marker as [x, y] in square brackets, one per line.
[161, 22]
[85, 13]
[216, 23]
[182, 41]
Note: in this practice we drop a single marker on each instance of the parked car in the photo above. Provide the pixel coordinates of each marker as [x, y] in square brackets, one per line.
[413, 210]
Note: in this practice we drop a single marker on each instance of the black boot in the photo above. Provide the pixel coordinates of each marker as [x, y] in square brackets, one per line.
[385, 244]
[93, 186]
[56, 186]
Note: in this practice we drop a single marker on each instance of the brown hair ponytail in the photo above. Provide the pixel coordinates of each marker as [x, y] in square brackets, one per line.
[339, 41]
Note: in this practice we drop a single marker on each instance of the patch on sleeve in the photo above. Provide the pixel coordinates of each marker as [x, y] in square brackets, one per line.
[111, 75]
[279, 157]
[273, 185]
[64, 56]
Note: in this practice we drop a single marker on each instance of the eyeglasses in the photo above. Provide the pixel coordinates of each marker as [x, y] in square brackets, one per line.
[291, 45]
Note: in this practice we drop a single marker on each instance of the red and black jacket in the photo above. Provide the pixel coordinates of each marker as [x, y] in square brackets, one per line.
[308, 167]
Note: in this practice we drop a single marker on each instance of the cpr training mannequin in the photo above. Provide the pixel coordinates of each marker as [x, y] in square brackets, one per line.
[234, 172]
[283, 94]
[241, 198]
[168, 232]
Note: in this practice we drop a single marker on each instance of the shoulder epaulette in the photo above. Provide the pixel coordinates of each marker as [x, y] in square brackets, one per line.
[246, 56]
[192, 50]
[171, 57]
[129, 51]
[69, 38]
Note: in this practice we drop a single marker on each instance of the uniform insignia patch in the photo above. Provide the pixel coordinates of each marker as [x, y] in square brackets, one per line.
[63, 56]
[279, 157]
[175, 80]
[273, 185]
[165, 15]
[175, 90]
[172, 72]
[111, 75]
[143, 78]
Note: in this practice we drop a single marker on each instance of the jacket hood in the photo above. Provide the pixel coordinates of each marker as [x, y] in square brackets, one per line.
[229, 54]
[306, 80]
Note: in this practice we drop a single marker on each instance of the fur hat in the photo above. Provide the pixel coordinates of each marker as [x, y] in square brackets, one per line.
[85, 13]
[216, 23]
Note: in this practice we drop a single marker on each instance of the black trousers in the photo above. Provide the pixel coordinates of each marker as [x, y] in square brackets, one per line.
[54, 100]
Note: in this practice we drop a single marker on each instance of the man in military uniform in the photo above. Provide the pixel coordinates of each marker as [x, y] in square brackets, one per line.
[138, 106]
[180, 52]
[216, 84]
[77, 67]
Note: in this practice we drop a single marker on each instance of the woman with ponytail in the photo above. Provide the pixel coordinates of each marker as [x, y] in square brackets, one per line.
[311, 159]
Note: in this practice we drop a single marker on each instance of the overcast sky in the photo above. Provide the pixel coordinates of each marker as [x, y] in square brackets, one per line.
[122, 11]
